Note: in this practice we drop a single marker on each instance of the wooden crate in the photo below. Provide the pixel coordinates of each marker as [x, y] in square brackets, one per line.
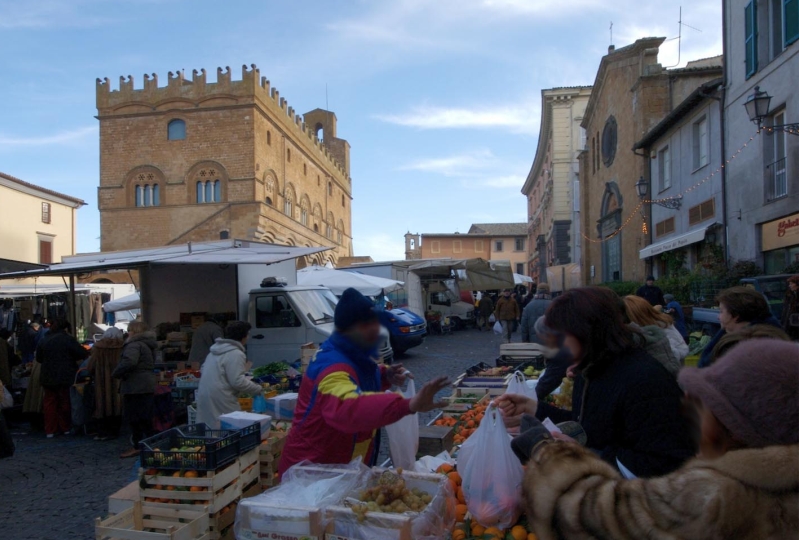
[249, 465]
[124, 498]
[215, 490]
[269, 456]
[145, 522]
[264, 520]
[435, 439]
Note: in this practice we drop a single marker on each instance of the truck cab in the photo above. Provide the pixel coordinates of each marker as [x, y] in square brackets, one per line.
[284, 317]
[450, 305]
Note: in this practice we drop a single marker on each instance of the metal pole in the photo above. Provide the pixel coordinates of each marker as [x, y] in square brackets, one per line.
[72, 307]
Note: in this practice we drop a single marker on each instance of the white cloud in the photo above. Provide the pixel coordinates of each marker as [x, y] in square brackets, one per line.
[459, 165]
[538, 7]
[64, 138]
[520, 118]
[379, 246]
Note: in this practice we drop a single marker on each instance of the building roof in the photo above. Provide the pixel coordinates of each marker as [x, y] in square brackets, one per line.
[43, 191]
[679, 112]
[499, 229]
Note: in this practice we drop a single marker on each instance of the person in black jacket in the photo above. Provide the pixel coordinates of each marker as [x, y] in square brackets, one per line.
[59, 354]
[559, 359]
[631, 407]
[651, 292]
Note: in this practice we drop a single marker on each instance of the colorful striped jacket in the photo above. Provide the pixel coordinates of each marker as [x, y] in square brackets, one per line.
[342, 402]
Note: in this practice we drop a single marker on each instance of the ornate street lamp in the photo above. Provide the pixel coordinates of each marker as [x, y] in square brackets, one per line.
[672, 203]
[757, 107]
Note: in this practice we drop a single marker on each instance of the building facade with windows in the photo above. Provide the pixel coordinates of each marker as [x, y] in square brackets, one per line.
[632, 92]
[38, 224]
[552, 187]
[684, 156]
[761, 45]
[195, 160]
[488, 241]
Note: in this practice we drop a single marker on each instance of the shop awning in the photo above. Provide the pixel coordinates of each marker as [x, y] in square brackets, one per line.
[219, 252]
[472, 274]
[674, 243]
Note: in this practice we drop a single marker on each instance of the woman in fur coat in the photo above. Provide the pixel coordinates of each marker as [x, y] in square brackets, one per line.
[744, 484]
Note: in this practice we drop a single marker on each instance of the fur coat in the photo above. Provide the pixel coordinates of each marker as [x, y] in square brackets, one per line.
[104, 359]
[750, 494]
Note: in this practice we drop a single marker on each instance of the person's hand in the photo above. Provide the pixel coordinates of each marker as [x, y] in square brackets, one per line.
[562, 437]
[571, 371]
[397, 374]
[513, 405]
[425, 398]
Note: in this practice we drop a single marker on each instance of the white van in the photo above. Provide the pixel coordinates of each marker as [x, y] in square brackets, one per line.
[450, 305]
[284, 317]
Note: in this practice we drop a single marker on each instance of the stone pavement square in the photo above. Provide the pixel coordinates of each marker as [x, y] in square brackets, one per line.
[52, 489]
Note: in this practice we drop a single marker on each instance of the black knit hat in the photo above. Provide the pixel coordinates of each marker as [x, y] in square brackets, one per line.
[353, 308]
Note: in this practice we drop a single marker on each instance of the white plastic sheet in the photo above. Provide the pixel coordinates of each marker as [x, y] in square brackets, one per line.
[403, 435]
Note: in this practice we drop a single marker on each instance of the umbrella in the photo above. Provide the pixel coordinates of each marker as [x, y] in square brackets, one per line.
[338, 281]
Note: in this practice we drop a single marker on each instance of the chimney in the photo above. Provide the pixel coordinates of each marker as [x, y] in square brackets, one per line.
[611, 48]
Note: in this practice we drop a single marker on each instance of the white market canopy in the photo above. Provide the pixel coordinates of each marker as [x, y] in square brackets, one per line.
[519, 279]
[218, 252]
[339, 280]
[126, 303]
[472, 274]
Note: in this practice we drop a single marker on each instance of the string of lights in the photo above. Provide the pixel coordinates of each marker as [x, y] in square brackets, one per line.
[672, 197]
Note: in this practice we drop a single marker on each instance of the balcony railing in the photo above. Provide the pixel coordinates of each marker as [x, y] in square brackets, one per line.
[776, 178]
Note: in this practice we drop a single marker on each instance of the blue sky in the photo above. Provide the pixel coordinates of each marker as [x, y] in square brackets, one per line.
[440, 99]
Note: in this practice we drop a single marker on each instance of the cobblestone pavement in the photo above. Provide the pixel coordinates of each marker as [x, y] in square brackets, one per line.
[53, 489]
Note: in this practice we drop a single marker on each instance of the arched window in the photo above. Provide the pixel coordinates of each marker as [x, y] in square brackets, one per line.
[288, 204]
[209, 185]
[146, 189]
[304, 216]
[330, 188]
[318, 180]
[269, 201]
[288, 207]
[288, 155]
[269, 138]
[316, 228]
[342, 201]
[320, 132]
[176, 130]
[338, 236]
[305, 169]
[224, 235]
[329, 231]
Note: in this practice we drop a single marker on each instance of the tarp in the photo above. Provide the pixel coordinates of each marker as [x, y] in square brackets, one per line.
[219, 252]
[472, 274]
[340, 280]
[126, 303]
[564, 277]
[519, 279]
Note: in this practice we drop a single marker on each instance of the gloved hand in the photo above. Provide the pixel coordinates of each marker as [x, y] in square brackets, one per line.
[533, 434]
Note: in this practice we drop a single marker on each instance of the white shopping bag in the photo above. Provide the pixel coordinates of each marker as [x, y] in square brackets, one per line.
[498, 328]
[403, 436]
[518, 385]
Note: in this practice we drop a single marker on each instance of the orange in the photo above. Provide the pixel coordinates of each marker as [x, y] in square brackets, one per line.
[170, 488]
[445, 468]
[477, 529]
[176, 474]
[191, 474]
[519, 533]
[531, 536]
[195, 489]
[460, 512]
[458, 534]
[493, 531]
[455, 477]
[459, 494]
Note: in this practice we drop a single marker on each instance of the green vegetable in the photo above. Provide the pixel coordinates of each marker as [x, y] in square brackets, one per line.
[270, 369]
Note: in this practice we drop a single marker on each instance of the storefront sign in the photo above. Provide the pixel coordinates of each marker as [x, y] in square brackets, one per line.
[781, 233]
[673, 243]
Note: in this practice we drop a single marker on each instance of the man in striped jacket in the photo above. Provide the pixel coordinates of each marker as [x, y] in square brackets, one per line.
[343, 400]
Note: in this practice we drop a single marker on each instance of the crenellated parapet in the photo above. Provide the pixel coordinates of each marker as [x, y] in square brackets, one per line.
[185, 94]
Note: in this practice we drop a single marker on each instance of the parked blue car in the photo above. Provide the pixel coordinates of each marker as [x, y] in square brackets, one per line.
[407, 329]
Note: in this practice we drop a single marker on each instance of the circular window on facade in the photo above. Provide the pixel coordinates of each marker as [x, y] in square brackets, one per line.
[609, 139]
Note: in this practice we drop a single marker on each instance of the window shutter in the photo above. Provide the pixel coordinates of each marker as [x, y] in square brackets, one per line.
[708, 209]
[750, 40]
[694, 214]
[695, 145]
[790, 18]
[45, 252]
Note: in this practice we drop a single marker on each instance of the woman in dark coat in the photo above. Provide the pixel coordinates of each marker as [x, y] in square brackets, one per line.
[631, 407]
[135, 369]
[59, 355]
[790, 309]
[104, 359]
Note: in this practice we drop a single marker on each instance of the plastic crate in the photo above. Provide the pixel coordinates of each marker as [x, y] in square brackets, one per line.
[249, 438]
[187, 381]
[217, 448]
[192, 414]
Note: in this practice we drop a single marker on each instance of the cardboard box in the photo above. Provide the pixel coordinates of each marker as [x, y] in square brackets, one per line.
[435, 439]
[281, 407]
[240, 420]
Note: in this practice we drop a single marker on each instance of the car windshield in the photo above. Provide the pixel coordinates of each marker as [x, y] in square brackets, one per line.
[774, 289]
[318, 304]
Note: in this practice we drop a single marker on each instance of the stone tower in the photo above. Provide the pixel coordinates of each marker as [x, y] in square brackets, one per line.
[413, 249]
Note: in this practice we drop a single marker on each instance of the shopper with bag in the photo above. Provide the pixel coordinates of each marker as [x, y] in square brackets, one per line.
[486, 310]
[743, 485]
[507, 313]
[342, 400]
[629, 405]
[135, 370]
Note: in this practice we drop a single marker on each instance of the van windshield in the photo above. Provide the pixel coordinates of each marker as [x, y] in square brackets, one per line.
[318, 304]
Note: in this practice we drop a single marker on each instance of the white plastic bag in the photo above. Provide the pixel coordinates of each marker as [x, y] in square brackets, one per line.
[518, 385]
[498, 328]
[491, 473]
[403, 436]
[430, 464]
[6, 399]
[492, 319]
